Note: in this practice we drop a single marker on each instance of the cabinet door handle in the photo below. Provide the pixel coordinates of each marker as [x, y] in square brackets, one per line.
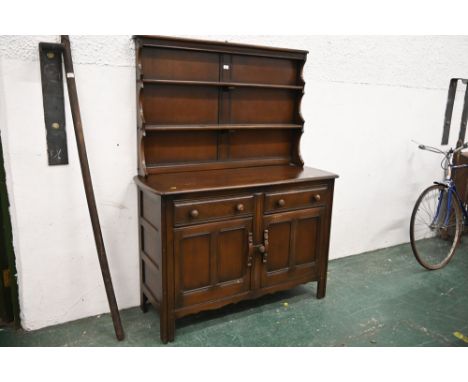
[251, 248]
[265, 246]
[194, 213]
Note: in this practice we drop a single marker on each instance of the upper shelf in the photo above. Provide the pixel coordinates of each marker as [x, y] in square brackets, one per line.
[223, 84]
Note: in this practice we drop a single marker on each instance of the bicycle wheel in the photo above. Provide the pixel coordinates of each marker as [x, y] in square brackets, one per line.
[435, 229]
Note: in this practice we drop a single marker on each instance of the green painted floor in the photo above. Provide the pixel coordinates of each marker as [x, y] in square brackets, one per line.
[381, 298]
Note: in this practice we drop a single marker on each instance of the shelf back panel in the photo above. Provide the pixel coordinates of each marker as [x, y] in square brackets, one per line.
[166, 104]
[182, 65]
[180, 147]
[250, 144]
[263, 70]
[262, 106]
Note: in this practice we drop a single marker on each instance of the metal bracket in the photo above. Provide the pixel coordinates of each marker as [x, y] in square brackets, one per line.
[449, 110]
[50, 56]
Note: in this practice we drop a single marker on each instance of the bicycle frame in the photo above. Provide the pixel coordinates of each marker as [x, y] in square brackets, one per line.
[452, 192]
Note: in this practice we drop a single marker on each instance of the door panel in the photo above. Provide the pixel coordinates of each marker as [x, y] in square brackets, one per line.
[278, 253]
[294, 242]
[231, 243]
[195, 255]
[211, 261]
[306, 239]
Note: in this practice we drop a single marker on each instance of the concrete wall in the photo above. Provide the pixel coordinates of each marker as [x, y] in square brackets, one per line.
[366, 98]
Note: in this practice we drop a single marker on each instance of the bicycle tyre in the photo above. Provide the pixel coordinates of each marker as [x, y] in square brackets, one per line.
[434, 252]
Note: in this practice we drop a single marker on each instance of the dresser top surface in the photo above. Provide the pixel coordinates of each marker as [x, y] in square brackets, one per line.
[235, 178]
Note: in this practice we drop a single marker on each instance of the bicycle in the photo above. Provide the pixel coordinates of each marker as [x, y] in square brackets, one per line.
[439, 216]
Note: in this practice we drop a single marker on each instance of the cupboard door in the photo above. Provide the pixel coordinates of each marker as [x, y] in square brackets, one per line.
[294, 241]
[211, 261]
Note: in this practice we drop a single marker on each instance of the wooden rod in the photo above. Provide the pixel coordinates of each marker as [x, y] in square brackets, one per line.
[76, 115]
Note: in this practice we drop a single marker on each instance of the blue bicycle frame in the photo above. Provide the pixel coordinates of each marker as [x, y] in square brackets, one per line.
[452, 193]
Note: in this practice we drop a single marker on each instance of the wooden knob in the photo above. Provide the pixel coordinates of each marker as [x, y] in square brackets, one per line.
[317, 197]
[240, 207]
[281, 203]
[262, 249]
[194, 213]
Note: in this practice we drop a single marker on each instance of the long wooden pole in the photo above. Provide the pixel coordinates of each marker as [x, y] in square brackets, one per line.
[88, 185]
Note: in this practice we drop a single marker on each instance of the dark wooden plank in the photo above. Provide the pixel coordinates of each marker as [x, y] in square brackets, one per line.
[88, 186]
[50, 57]
[464, 119]
[449, 110]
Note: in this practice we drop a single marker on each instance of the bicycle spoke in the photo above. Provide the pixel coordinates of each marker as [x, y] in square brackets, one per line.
[433, 241]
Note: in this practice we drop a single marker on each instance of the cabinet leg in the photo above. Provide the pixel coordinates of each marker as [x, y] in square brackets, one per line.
[167, 327]
[321, 288]
[168, 333]
[143, 302]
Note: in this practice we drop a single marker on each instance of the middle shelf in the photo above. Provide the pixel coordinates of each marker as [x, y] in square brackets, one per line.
[220, 83]
[202, 127]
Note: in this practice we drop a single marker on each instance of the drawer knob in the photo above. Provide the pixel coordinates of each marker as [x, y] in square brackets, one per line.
[194, 213]
[240, 207]
[281, 203]
[317, 197]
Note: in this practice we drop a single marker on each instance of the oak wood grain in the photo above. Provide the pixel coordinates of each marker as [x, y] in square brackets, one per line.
[225, 179]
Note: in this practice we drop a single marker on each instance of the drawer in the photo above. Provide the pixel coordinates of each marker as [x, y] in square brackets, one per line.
[298, 198]
[195, 211]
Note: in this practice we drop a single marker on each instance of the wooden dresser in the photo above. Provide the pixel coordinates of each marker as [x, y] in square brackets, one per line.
[227, 211]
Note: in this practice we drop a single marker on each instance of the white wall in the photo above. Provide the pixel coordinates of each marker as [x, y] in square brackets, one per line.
[366, 98]
[58, 272]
